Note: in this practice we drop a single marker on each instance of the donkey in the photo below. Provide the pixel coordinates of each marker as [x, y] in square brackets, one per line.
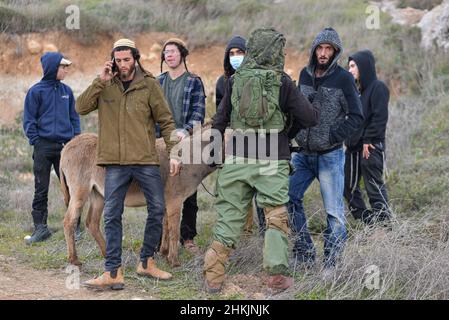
[82, 180]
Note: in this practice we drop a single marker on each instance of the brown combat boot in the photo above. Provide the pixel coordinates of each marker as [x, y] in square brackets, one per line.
[148, 268]
[279, 282]
[214, 267]
[108, 280]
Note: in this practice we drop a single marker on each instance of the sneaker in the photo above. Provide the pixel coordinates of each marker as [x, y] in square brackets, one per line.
[41, 233]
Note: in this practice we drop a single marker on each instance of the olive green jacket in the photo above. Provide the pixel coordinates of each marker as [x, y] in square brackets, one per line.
[126, 119]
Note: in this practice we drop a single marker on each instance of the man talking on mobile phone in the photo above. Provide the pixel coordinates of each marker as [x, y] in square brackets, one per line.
[129, 102]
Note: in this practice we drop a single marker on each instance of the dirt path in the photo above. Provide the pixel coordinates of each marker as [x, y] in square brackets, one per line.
[22, 283]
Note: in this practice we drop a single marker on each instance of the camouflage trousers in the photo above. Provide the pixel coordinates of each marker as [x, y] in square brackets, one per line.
[236, 186]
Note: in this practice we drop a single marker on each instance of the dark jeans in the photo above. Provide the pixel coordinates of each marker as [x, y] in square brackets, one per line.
[45, 155]
[118, 179]
[371, 170]
[188, 221]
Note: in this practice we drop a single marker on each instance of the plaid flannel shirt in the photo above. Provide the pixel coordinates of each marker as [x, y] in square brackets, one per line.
[194, 101]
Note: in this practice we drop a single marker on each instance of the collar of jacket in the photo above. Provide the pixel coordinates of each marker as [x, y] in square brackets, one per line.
[137, 82]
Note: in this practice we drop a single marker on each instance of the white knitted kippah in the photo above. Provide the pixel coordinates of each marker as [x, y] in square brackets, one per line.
[124, 43]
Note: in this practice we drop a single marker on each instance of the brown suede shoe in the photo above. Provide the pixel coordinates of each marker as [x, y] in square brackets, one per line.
[149, 269]
[191, 247]
[108, 280]
[279, 282]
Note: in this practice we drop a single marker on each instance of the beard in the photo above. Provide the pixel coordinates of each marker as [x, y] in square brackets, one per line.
[124, 75]
[324, 66]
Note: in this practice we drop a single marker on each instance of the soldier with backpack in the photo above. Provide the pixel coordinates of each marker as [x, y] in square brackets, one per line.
[265, 110]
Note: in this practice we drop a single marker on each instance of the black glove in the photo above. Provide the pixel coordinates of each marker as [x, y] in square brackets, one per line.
[293, 148]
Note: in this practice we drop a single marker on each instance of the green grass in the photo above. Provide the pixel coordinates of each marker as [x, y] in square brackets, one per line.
[317, 294]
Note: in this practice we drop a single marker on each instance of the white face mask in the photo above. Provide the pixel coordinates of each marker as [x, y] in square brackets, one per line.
[236, 61]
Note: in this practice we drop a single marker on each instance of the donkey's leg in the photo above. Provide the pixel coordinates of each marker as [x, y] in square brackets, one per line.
[93, 219]
[173, 220]
[164, 242]
[77, 200]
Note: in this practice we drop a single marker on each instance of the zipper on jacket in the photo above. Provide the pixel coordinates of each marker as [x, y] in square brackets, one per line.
[54, 113]
[308, 138]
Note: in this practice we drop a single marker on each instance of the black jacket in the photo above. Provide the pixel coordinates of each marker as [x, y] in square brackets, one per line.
[335, 94]
[235, 42]
[375, 96]
[299, 111]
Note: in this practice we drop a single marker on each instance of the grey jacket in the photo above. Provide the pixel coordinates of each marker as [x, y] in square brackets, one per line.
[335, 95]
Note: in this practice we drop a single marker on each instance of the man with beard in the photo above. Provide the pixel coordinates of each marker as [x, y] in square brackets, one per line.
[332, 89]
[129, 102]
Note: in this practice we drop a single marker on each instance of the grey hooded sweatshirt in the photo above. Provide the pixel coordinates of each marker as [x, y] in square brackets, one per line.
[335, 95]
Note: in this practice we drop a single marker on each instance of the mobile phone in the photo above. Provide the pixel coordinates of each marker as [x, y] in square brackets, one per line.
[114, 66]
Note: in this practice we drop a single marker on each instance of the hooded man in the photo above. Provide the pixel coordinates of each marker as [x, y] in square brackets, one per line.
[129, 102]
[332, 89]
[365, 153]
[233, 57]
[49, 121]
[262, 104]
[234, 54]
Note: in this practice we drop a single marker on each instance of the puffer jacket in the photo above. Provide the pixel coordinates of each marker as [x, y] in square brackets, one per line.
[335, 95]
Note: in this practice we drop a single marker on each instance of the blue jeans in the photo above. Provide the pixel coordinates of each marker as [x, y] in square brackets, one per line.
[117, 182]
[328, 168]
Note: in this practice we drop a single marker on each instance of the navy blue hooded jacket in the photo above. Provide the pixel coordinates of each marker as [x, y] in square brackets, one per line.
[375, 96]
[335, 95]
[50, 106]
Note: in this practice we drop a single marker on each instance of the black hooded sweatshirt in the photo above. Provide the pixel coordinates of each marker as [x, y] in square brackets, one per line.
[375, 96]
[235, 42]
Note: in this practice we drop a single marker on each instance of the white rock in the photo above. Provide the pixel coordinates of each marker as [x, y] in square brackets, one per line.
[156, 47]
[434, 26]
[34, 47]
[153, 56]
